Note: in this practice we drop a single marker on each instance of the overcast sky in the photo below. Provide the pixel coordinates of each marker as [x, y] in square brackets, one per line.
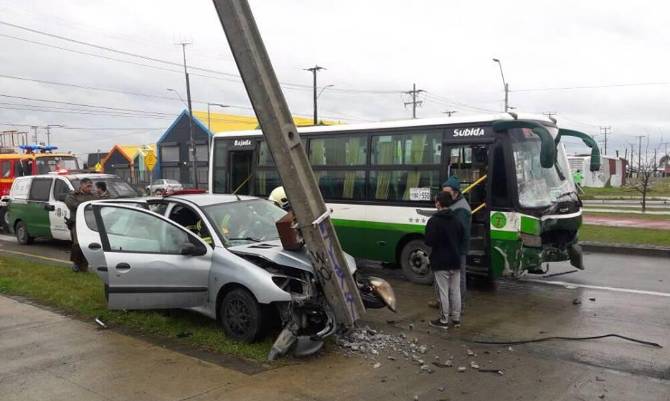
[373, 50]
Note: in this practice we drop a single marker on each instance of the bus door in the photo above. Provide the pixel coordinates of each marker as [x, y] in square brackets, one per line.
[240, 171]
[469, 162]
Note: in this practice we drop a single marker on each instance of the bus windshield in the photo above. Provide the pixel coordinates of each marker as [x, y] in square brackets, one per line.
[537, 186]
[47, 164]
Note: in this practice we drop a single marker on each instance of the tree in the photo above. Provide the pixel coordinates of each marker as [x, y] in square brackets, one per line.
[644, 180]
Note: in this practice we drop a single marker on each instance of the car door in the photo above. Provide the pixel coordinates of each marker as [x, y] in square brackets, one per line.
[145, 260]
[37, 211]
[58, 211]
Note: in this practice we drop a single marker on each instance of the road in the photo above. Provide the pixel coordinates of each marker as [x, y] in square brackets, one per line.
[44, 355]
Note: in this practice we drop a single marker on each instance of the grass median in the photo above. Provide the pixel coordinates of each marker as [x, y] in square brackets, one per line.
[82, 295]
[624, 235]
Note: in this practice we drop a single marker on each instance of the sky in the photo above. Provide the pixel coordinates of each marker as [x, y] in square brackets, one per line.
[593, 63]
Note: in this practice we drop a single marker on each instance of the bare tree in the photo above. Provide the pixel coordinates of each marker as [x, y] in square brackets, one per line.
[644, 180]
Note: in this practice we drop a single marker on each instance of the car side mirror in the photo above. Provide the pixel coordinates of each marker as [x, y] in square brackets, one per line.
[188, 249]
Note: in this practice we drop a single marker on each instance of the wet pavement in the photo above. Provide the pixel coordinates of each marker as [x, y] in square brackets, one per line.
[614, 221]
[44, 355]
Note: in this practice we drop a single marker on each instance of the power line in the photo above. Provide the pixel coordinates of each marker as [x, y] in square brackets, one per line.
[622, 85]
[86, 105]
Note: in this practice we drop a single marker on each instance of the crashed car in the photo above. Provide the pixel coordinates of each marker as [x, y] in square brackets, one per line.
[219, 255]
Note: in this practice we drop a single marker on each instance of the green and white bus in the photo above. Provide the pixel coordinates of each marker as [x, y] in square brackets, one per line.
[379, 180]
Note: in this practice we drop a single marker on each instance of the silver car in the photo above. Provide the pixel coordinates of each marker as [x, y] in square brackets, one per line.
[216, 254]
[164, 186]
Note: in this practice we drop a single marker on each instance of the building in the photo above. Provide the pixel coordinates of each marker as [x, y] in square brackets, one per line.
[127, 161]
[173, 147]
[612, 170]
[93, 159]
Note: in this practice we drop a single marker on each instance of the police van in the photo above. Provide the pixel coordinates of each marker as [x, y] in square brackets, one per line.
[37, 203]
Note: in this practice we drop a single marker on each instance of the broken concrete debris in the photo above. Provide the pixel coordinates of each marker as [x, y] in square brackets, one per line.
[462, 369]
[377, 365]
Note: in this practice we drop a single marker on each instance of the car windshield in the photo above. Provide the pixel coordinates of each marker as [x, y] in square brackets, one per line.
[245, 221]
[172, 182]
[538, 186]
[116, 187]
[47, 164]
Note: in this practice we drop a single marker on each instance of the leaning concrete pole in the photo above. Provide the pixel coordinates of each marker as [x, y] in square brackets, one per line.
[292, 163]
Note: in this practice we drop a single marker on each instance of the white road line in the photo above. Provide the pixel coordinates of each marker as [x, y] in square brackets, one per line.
[597, 287]
[8, 238]
[35, 256]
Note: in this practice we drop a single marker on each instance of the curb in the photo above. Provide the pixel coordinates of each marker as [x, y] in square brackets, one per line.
[625, 249]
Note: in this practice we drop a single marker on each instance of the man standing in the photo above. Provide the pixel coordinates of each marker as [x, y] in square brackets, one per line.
[444, 234]
[73, 200]
[463, 214]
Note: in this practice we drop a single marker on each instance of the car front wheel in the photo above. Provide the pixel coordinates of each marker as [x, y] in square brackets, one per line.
[241, 316]
[22, 234]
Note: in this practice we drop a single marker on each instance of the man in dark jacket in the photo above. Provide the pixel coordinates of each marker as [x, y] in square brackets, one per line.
[463, 214]
[72, 201]
[444, 235]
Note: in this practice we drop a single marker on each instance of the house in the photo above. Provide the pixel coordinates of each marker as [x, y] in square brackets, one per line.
[173, 147]
[612, 170]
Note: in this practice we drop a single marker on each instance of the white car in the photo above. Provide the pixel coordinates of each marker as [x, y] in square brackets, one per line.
[164, 187]
[217, 254]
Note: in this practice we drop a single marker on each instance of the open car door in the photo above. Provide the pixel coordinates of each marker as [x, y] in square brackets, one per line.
[145, 260]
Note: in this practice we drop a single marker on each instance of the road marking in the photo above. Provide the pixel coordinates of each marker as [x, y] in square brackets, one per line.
[8, 238]
[597, 287]
[35, 256]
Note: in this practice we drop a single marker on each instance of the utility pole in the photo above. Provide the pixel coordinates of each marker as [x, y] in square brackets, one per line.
[194, 161]
[34, 127]
[605, 131]
[48, 127]
[450, 112]
[639, 153]
[414, 102]
[314, 70]
[505, 84]
[313, 218]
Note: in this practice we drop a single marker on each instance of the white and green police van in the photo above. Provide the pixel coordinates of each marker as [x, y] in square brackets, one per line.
[37, 208]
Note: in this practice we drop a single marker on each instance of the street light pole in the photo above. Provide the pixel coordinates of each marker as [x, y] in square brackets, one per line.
[505, 85]
[314, 70]
[209, 121]
[48, 127]
[194, 161]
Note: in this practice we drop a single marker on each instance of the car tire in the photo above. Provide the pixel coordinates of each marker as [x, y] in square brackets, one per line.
[414, 262]
[241, 316]
[22, 235]
[4, 219]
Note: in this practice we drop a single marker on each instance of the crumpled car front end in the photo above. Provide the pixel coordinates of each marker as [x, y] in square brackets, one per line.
[307, 318]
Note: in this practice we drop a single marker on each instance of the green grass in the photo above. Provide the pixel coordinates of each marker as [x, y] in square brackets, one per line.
[82, 295]
[624, 235]
[661, 187]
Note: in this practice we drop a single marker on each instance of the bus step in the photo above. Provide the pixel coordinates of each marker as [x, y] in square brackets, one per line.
[477, 270]
[477, 242]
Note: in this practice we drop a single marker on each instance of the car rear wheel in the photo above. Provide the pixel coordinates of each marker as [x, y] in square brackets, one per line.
[415, 263]
[22, 234]
[241, 316]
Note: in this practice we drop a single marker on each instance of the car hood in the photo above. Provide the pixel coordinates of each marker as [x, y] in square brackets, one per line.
[274, 252]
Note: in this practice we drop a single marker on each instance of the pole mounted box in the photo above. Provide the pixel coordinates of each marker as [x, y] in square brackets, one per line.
[282, 137]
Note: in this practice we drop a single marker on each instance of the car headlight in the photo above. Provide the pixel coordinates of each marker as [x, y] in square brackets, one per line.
[384, 290]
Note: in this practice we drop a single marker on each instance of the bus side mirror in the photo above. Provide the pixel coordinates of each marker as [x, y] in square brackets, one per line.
[547, 145]
[588, 140]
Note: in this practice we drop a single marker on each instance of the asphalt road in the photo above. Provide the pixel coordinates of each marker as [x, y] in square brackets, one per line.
[45, 355]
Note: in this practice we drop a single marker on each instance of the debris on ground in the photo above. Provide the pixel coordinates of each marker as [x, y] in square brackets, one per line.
[462, 369]
[592, 299]
[377, 365]
[471, 353]
[441, 389]
[576, 301]
[474, 365]
[446, 364]
[100, 323]
[510, 349]
[498, 371]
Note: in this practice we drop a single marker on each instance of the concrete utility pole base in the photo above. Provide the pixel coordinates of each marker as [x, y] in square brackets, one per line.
[281, 135]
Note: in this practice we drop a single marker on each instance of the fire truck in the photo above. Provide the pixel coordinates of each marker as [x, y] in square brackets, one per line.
[30, 160]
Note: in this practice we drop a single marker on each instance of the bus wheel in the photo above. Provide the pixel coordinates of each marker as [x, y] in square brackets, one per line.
[415, 263]
[22, 234]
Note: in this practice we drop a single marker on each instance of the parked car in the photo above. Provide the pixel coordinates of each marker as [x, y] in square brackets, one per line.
[37, 208]
[164, 187]
[216, 254]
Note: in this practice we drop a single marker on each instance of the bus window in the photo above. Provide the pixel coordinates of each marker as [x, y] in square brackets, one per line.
[499, 188]
[338, 184]
[395, 185]
[264, 155]
[421, 148]
[266, 181]
[338, 151]
[6, 168]
[469, 163]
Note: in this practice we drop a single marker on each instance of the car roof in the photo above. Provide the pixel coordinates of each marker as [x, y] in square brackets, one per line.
[210, 199]
[77, 176]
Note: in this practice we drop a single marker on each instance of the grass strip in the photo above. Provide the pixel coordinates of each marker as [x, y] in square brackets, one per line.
[82, 295]
[624, 235]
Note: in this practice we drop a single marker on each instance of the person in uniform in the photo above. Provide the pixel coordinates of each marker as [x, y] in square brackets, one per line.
[72, 201]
